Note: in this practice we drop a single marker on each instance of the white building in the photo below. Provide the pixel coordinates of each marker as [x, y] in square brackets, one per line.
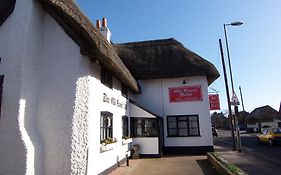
[64, 91]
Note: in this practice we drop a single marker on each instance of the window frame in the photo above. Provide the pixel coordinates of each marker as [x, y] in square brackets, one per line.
[188, 128]
[125, 126]
[124, 91]
[134, 126]
[106, 131]
[106, 77]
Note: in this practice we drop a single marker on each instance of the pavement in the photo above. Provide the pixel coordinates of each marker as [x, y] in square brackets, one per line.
[250, 162]
[171, 165]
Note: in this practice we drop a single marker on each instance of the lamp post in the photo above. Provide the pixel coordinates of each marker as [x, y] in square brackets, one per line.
[234, 97]
[227, 95]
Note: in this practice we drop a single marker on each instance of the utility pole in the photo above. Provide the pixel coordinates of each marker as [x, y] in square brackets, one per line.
[227, 95]
[241, 98]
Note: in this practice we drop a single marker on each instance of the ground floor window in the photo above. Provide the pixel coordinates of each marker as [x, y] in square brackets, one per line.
[125, 127]
[183, 125]
[106, 125]
[144, 127]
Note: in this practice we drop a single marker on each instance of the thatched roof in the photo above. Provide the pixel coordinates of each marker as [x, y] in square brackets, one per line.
[264, 113]
[165, 58]
[6, 8]
[91, 42]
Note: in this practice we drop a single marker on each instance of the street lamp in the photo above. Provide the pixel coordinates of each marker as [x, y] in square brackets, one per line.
[234, 97]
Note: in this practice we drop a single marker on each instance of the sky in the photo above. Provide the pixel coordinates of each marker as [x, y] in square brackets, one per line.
[255, 46]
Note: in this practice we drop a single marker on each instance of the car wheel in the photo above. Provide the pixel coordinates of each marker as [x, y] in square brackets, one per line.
[270, 142]
[258, 140]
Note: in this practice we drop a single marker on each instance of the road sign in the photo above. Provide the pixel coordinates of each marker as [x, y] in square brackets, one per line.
[234, 99]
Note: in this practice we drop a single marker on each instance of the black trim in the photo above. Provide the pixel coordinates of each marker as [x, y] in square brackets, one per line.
[113, 167]
[177, 127]
[150, 155]
[6, 8]
[188, 150]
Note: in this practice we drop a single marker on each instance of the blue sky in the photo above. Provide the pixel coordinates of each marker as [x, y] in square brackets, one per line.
[255, 46]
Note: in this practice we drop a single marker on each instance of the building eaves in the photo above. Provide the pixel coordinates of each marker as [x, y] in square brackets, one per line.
[166, 58]
[91, 42]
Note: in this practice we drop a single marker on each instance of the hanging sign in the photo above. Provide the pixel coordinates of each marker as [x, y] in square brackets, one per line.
[185, 94]
[214, 102]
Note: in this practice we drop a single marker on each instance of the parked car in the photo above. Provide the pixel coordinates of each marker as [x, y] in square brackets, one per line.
[214, 131]
[270, 136]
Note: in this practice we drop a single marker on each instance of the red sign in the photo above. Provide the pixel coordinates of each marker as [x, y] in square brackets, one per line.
[214, 102]
[186, 93]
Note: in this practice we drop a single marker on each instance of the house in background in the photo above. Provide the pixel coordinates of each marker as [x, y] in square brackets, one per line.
[66, 89]
[261, 117]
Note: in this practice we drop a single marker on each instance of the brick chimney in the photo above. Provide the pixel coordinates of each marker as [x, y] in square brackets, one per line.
[104, 30]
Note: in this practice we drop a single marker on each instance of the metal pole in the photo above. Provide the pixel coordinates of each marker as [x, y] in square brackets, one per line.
[233, 92]
[227, 95]
[241, 98]
[228, 56]
[237, 129]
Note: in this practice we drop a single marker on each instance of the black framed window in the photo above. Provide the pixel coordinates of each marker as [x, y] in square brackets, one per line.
[124, 91]
[183, 125]
[106, 77]
[144, 127]
[106, 125]
[125, 126]
[1, 88]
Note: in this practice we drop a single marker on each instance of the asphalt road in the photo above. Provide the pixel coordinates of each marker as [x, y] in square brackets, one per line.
[249, 143]
[256, 159]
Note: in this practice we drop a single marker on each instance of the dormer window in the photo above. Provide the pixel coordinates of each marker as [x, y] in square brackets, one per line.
[124, 91]
[106, 77]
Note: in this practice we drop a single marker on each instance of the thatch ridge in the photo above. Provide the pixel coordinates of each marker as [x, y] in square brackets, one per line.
[165, 58]
[91, 42]
[6, 8]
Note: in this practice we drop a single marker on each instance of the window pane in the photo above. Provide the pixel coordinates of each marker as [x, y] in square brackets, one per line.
[193, 131]
[172, 132]
[183, 132]
[144, 127]
[106, 125]
[182, 124]
[183, 118]
[172, 119]
[172, 125]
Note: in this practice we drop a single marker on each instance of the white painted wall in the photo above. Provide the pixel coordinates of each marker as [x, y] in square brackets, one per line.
[52, 98]
[136, 111]
[155, 97]
[99, 160]
[148, 145]
[17, 152]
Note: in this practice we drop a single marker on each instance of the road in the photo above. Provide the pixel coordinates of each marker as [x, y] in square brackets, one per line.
[249, 143]
[255, 158]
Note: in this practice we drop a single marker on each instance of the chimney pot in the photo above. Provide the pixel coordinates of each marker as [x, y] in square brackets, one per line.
[98, 24]
[104, 23]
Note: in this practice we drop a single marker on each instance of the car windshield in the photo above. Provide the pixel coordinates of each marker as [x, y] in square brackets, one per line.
[276, 130]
